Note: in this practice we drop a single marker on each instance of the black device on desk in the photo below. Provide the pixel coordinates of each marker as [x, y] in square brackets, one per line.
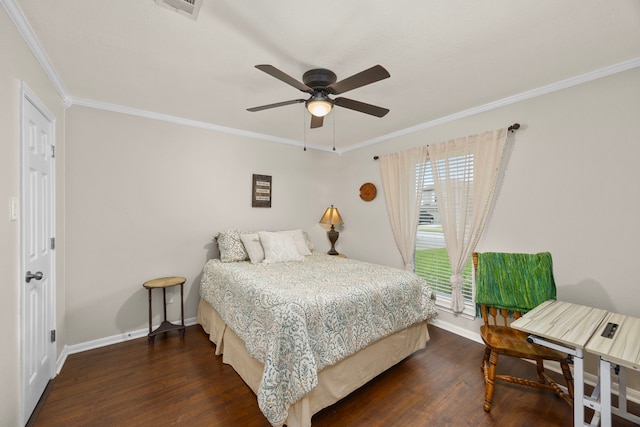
[610, 330]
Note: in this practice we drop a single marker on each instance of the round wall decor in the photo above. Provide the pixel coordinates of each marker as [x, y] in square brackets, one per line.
[368, 192]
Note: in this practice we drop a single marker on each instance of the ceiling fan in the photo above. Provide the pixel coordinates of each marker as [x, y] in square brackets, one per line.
[321, 83]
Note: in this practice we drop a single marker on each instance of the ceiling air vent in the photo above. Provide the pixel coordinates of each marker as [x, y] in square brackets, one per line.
[189, 8]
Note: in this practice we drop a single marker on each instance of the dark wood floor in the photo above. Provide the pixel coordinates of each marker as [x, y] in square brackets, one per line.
[181, 382]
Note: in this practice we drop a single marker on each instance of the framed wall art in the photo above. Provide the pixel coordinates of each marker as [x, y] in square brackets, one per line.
[261, 191]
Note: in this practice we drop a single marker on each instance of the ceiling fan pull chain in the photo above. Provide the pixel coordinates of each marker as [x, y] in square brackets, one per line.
[304, 128]
[334, 131]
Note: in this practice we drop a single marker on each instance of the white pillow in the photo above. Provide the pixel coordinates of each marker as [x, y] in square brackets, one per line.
[279, 247]
[300, 241]
[251, 242]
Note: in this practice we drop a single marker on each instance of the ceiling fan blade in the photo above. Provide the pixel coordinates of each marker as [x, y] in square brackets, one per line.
[316, 121]
[351, 104]
[372, 75]
[280, 75]
[277, 104]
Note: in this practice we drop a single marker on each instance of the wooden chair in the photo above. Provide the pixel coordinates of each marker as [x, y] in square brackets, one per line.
[501, 339]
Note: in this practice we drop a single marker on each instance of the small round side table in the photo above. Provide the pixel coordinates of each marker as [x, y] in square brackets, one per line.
[166, 326]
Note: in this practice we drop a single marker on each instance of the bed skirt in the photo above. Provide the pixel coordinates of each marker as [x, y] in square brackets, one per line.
[334, 382]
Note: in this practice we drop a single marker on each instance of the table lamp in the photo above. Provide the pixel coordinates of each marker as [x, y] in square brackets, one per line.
[332, 217]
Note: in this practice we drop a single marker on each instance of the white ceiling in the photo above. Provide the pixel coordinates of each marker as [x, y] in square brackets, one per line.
[444, 57]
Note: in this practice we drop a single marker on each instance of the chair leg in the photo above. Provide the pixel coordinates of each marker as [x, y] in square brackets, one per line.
[566, 371]
[540, 368]
[485, 358]
[490, 378]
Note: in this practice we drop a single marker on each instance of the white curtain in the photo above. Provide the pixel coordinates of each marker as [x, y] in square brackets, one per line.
[403, 191]
[465, 171]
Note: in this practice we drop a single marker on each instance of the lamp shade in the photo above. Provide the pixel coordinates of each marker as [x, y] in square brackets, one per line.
[331, 217]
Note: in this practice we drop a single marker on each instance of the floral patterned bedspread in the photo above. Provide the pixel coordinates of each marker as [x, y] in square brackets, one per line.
[298, 317]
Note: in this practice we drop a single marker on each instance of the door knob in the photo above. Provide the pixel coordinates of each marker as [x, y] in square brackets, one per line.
[30, 275]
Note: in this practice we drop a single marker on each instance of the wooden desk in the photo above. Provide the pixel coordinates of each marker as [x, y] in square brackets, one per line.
[566, 327]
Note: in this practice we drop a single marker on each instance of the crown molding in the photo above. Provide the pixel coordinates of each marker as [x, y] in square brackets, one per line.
[28, 35]
[25, 30]
[90, 103]
[554, 87]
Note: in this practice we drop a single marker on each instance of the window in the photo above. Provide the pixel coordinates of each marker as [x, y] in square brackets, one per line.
[431, 257]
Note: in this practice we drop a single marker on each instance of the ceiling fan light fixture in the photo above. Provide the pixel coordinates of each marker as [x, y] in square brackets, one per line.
[319, 106]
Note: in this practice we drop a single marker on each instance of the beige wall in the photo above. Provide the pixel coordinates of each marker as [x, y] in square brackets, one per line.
[145, 198]
[18, 64]
[570, 188]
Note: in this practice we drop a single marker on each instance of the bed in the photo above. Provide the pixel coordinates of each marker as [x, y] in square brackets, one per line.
[304, 333]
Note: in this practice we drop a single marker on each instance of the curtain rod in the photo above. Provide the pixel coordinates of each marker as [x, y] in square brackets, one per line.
[514, 127]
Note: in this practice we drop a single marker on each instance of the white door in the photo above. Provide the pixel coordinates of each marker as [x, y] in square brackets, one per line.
[38, 284]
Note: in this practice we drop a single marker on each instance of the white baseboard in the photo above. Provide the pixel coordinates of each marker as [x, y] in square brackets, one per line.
[633, 395]
[455, 329]
[103, 342]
